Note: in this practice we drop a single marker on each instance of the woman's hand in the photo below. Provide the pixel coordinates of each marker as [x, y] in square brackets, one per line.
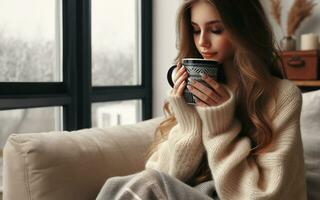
[179, 80]
[213, 96]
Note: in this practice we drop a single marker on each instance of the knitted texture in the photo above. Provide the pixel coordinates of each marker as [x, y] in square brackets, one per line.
[181, 153]
[277, 173]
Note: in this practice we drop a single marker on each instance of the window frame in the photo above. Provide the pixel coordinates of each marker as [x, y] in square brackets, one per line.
[76, 93]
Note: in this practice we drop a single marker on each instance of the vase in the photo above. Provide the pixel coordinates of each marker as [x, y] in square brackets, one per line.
[288, 43]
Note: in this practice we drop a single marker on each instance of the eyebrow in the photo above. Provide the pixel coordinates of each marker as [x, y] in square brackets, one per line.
[210, 22]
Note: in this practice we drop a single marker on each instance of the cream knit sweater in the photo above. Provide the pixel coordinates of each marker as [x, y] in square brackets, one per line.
[276, 174]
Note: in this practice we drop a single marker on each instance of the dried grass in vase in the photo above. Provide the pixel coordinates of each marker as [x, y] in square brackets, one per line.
[300, 10]
[276, 10]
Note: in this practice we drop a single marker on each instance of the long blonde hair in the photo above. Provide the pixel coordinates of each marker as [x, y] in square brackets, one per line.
[255, 58]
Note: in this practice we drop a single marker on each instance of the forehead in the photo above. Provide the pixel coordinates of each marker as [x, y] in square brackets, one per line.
[203, 11]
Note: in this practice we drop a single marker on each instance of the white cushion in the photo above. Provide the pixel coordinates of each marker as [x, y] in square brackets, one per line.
[310, 132]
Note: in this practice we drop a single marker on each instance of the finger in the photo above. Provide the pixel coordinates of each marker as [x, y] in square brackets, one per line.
[219, 89]
[179, 65]
[199, 102]
[179, 73]
[208, 91]
[203, 97]
[180, 80]
[181, 88]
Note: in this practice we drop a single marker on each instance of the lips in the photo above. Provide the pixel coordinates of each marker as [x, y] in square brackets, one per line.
[208, 54]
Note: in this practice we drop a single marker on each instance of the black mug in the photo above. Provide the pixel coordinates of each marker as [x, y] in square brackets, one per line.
[194, 67]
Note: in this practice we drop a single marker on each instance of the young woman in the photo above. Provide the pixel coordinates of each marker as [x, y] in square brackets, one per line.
[242, 139]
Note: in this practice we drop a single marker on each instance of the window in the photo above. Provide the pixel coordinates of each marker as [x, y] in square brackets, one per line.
[116, 43]
[73, 54]
[29, 121]
[30, 41]
[53, 65]
[116, 113]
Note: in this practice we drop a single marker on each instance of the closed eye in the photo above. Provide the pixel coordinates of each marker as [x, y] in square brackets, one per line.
[217, 32]
[196, 32]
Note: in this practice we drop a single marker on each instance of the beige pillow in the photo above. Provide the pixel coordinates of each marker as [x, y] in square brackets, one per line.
[310, 132]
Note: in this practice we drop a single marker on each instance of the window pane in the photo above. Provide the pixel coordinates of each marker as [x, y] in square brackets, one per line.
[27, 121]
[30, 41]
[116, 113]
[116, 42]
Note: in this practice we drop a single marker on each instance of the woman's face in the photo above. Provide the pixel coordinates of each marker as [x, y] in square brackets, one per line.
[210, 37]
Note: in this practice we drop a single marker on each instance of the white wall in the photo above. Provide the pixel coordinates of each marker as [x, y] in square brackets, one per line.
[164, 50]
[164, 38]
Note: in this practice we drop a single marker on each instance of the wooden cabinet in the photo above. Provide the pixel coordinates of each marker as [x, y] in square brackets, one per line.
[303, 68]
[301, 65]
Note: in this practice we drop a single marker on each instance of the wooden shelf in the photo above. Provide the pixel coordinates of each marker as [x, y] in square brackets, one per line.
[315, 83]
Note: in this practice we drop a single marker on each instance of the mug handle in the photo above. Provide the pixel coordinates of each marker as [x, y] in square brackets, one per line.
[169, 75]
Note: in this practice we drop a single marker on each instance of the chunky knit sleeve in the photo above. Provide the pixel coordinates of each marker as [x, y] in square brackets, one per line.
[277, 173]
[181, 153]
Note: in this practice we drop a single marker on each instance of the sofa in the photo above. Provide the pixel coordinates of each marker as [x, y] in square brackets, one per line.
[74, 165]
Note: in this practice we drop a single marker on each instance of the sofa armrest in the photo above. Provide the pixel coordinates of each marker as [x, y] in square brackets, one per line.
[73, 165]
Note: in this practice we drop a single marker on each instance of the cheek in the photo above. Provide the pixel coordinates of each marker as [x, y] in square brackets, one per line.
[196, 41]
[226, 48]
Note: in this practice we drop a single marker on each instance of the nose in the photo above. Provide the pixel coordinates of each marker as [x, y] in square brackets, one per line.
[204, 40]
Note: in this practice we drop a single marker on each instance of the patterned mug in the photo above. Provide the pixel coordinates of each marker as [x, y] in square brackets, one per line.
[194, 67]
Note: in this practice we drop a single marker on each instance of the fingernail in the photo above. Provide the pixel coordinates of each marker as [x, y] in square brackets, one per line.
[189, 87]
[203, 75]
[192, 81]
[195, 98]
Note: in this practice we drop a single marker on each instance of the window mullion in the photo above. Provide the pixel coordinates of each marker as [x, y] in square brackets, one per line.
[146, 57]
[70, 62]
[84, 64]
